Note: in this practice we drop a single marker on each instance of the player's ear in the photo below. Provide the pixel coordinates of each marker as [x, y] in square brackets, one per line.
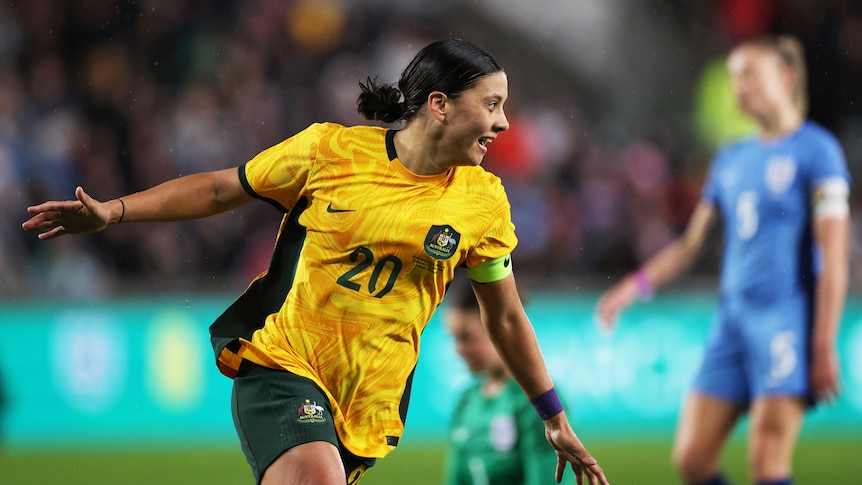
[790, 77]
[438, 105]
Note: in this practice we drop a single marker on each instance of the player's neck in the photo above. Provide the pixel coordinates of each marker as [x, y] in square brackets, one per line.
[415, 148]
[782, 123]
[494, 382]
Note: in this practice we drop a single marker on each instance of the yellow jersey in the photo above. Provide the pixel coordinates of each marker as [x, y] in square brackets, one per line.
[362, 260]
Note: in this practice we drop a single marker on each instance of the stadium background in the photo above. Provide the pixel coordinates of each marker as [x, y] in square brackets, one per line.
[615, 106]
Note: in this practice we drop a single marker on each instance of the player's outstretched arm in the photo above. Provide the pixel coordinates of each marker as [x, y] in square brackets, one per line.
[189, 197]
[515, 340]
[675, 258]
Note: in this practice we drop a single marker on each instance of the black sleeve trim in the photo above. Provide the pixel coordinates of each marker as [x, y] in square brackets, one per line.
[243, 179]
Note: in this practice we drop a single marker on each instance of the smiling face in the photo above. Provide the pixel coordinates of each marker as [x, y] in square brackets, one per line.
[760, 81]
[474, 119]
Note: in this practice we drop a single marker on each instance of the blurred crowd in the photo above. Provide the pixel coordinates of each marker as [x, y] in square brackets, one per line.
[117, 96]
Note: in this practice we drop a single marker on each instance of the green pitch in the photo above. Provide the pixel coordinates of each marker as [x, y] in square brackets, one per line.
[833, 462]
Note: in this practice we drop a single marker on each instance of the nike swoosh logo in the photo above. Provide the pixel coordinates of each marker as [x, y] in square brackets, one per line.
[336, 211]
[507, 261]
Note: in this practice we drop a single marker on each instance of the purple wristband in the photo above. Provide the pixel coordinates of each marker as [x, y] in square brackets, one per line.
[645, 288]
[548, 404]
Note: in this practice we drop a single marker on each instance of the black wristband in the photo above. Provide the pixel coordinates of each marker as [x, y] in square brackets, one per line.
[122, 214]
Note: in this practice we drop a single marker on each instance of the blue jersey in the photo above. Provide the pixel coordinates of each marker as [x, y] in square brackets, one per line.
[763, 191]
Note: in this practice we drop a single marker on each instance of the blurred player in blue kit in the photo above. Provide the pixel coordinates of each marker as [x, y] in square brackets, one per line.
[783, 197]
[495, 436]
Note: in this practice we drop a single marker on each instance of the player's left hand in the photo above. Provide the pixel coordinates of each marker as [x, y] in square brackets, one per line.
[614, 301]
[825, 380]
[570, 450]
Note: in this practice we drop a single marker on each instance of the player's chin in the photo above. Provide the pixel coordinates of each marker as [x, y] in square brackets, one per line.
[476, 159]
[474, 153]
[750, 108]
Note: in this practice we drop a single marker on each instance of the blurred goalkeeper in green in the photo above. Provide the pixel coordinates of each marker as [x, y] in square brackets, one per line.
[495, 435]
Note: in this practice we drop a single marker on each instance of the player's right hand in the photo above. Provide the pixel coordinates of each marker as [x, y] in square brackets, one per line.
[615, 300]
[55, 218]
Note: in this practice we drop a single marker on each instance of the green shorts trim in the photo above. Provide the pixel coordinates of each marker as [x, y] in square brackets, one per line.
[275, 410]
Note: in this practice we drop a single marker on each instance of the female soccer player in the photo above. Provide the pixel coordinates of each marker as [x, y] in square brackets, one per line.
[323, 345]
[783, 197]
[495, 436]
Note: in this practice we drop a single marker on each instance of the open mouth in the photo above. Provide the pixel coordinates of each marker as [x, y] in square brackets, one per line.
[484, 142]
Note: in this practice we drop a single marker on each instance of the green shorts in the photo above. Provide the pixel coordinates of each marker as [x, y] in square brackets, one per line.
[274, 410]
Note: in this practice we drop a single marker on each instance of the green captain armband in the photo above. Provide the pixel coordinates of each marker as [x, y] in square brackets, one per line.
[491, 270]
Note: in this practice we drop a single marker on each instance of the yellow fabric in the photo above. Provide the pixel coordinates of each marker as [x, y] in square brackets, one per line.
[381, 245]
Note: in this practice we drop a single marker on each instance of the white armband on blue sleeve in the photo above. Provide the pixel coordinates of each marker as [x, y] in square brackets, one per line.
[830, 198]
[491, 270]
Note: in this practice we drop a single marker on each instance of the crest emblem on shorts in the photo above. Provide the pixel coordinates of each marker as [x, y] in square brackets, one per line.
[310, 412]
[780, 172]
[441, 242]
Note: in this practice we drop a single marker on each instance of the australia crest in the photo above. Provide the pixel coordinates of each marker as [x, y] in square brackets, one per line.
[441, 242]
[310, 412]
